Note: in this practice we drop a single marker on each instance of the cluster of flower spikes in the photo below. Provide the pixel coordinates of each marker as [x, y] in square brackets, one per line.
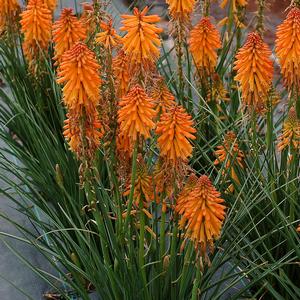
[79, 72]
[288, 48]
[204, 42]
[202, 212]
[141, 42]
[143, 188]
[230, 154]
[175, 128]
[66, 31]
[36, 24]
[9, 10]
[108, 37]
[290, 136]
[181, 9]
[254, 72]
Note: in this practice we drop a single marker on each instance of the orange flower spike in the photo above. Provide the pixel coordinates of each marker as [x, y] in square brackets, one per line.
[288, 48]
[203, 213]
[79, 72]
[291, 132]
[36, 23]
[180, 9]
[67, 30]
[254, 71]
[108, 37]
[121, 72]
[141, 41]
[174, 129]
[204, 42]
[136, 114]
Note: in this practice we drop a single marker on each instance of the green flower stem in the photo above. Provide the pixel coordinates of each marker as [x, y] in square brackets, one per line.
[179, 52]
[172, 264]
[141, 254]
[270, 152]
[196, 284]
[186, 266]
[133, 177]
[162, 239]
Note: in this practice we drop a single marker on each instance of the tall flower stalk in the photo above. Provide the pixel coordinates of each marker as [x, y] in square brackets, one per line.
[180, 12]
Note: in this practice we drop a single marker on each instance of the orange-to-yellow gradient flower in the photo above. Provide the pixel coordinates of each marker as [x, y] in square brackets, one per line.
[290, 136]
[254, 71]
[36, 22]
[162, 97]
[143, 188]
[79, 72]
[203, 213]
[180, 9]
[204, 43]
[288, 48]
[67, 30]
[141, 41]
[174, 129]
[121, 73]
[108, 37]
[83, 133]
[9, 10]
[234, 4]
[136, 114]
